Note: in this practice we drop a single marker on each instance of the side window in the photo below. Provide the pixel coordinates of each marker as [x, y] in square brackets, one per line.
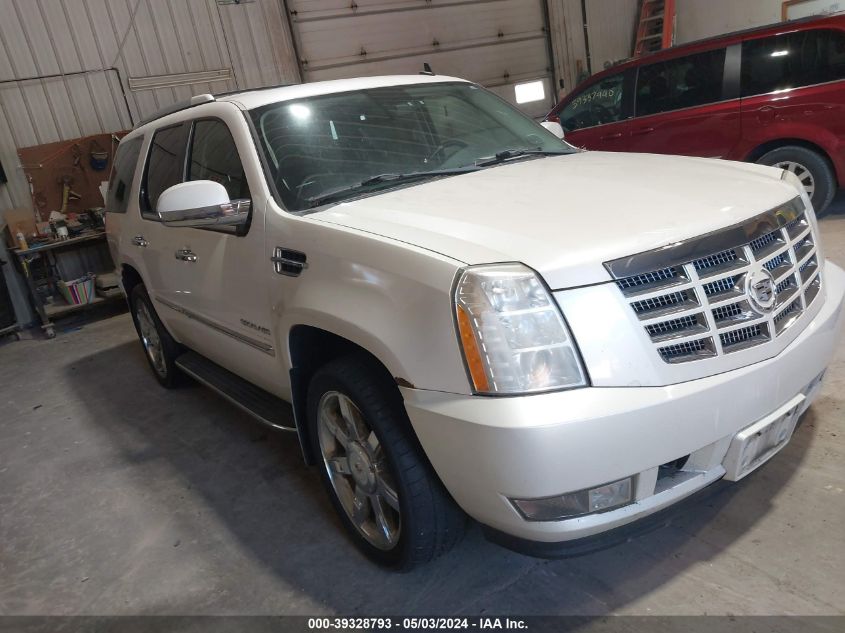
[215, 157]
[598, 104]
[123, 171]
[791, 61]
[684, 82]
[164, 165]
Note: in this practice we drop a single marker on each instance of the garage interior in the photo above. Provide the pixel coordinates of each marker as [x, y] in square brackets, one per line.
[118, 497]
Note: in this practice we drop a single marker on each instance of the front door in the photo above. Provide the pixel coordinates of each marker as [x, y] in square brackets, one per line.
[596, 116]
[212, 282]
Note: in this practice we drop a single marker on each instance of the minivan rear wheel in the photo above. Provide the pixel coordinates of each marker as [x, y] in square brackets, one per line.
[385, 491]
[812, 169]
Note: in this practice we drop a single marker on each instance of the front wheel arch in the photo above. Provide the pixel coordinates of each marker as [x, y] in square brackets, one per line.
[310, 349]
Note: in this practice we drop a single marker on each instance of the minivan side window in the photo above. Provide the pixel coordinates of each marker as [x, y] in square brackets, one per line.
[684, 82]
[793, 60]
[598, 104]
[214, 156]
[164, 165]
[123, 172]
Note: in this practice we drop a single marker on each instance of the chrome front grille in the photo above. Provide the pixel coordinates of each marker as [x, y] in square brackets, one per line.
[695, 304]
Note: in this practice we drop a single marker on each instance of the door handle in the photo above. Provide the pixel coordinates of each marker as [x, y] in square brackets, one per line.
[139, 240]
[611, 137]
[642, 130]
[186, 255]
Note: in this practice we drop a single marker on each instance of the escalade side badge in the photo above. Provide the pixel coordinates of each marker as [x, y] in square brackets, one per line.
[288, 262]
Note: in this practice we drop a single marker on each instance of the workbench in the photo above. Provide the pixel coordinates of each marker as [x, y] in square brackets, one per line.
[48, 311]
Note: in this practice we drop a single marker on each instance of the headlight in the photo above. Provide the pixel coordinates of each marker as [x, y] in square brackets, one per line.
[512, 333]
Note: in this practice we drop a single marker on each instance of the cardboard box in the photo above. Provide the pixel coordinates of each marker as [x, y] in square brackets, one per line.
[19, 219]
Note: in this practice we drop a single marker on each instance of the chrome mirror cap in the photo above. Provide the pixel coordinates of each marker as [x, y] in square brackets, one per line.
[201, 203]
[554, 127]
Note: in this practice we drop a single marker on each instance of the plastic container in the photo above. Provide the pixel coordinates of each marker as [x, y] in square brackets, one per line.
[78, 291]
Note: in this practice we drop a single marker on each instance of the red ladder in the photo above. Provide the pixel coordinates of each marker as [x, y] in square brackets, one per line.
[656, 28]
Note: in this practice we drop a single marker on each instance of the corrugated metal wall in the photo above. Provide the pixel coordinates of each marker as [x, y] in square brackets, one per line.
[69, 68]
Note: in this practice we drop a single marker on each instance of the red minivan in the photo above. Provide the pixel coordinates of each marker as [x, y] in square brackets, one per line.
[773, 95]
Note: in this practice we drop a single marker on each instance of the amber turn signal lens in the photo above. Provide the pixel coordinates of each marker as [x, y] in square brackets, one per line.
[471, 352]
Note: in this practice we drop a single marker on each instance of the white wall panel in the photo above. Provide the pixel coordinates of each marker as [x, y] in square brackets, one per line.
[492, 42]
[611, 25]
[567, 33]
[697, 20]
[610, 30]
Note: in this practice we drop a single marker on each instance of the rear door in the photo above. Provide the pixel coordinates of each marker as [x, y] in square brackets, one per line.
[122, 187]
[597, 115]
[688, 105]
[773, 68]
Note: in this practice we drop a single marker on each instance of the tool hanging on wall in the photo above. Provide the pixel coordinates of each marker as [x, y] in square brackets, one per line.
[98, 157]
[68, 194]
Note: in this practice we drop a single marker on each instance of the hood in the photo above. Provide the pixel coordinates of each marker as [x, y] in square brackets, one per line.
[565, 216]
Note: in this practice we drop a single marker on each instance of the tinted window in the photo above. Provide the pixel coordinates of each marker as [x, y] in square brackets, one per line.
[215, 157]
[164, 165]
[598, 104]
[123, 171]
[790, 61]
[680, 83]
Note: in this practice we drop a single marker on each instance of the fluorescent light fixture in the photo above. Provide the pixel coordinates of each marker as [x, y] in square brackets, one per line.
[780, 53]
[529, 91]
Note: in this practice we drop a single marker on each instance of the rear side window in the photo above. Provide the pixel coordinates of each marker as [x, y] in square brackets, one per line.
[684, 82]
[123, 172]
[793, 60]
[598, 104]
[164, 164]
[215, 157]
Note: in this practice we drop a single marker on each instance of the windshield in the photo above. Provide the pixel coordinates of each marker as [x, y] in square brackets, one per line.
[331, 143]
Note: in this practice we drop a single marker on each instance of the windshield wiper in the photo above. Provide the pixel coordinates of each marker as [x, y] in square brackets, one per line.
[316, 201]
[508, 154]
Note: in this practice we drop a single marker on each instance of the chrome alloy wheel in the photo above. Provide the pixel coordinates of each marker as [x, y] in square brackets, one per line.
[357, 468]
[804, 174]
[150, 338]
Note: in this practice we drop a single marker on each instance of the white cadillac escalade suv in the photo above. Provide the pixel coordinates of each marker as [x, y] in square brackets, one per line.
[468, 315]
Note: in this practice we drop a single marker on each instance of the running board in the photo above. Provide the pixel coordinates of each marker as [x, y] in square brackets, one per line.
[263, 406]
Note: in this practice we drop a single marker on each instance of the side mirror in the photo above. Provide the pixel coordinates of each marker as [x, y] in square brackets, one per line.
[554, 127]
[201, 203]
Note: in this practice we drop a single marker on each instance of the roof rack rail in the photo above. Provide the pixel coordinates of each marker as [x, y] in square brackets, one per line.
[244, 90]
[200, 99]
[178, 107]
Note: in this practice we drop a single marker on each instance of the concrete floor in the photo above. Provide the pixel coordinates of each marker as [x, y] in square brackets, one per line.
[118, 497]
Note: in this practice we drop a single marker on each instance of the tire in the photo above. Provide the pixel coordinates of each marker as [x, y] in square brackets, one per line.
[379, 470]
[811, 167]
[159, 347]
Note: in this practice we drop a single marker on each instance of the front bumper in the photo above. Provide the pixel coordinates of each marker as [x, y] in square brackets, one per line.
[487, 450]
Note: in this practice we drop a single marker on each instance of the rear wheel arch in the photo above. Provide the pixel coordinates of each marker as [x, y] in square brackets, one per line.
[130, 278]
[764, 148]
[809, 160]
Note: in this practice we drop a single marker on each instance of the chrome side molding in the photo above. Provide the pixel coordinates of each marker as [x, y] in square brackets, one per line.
[259, 345]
